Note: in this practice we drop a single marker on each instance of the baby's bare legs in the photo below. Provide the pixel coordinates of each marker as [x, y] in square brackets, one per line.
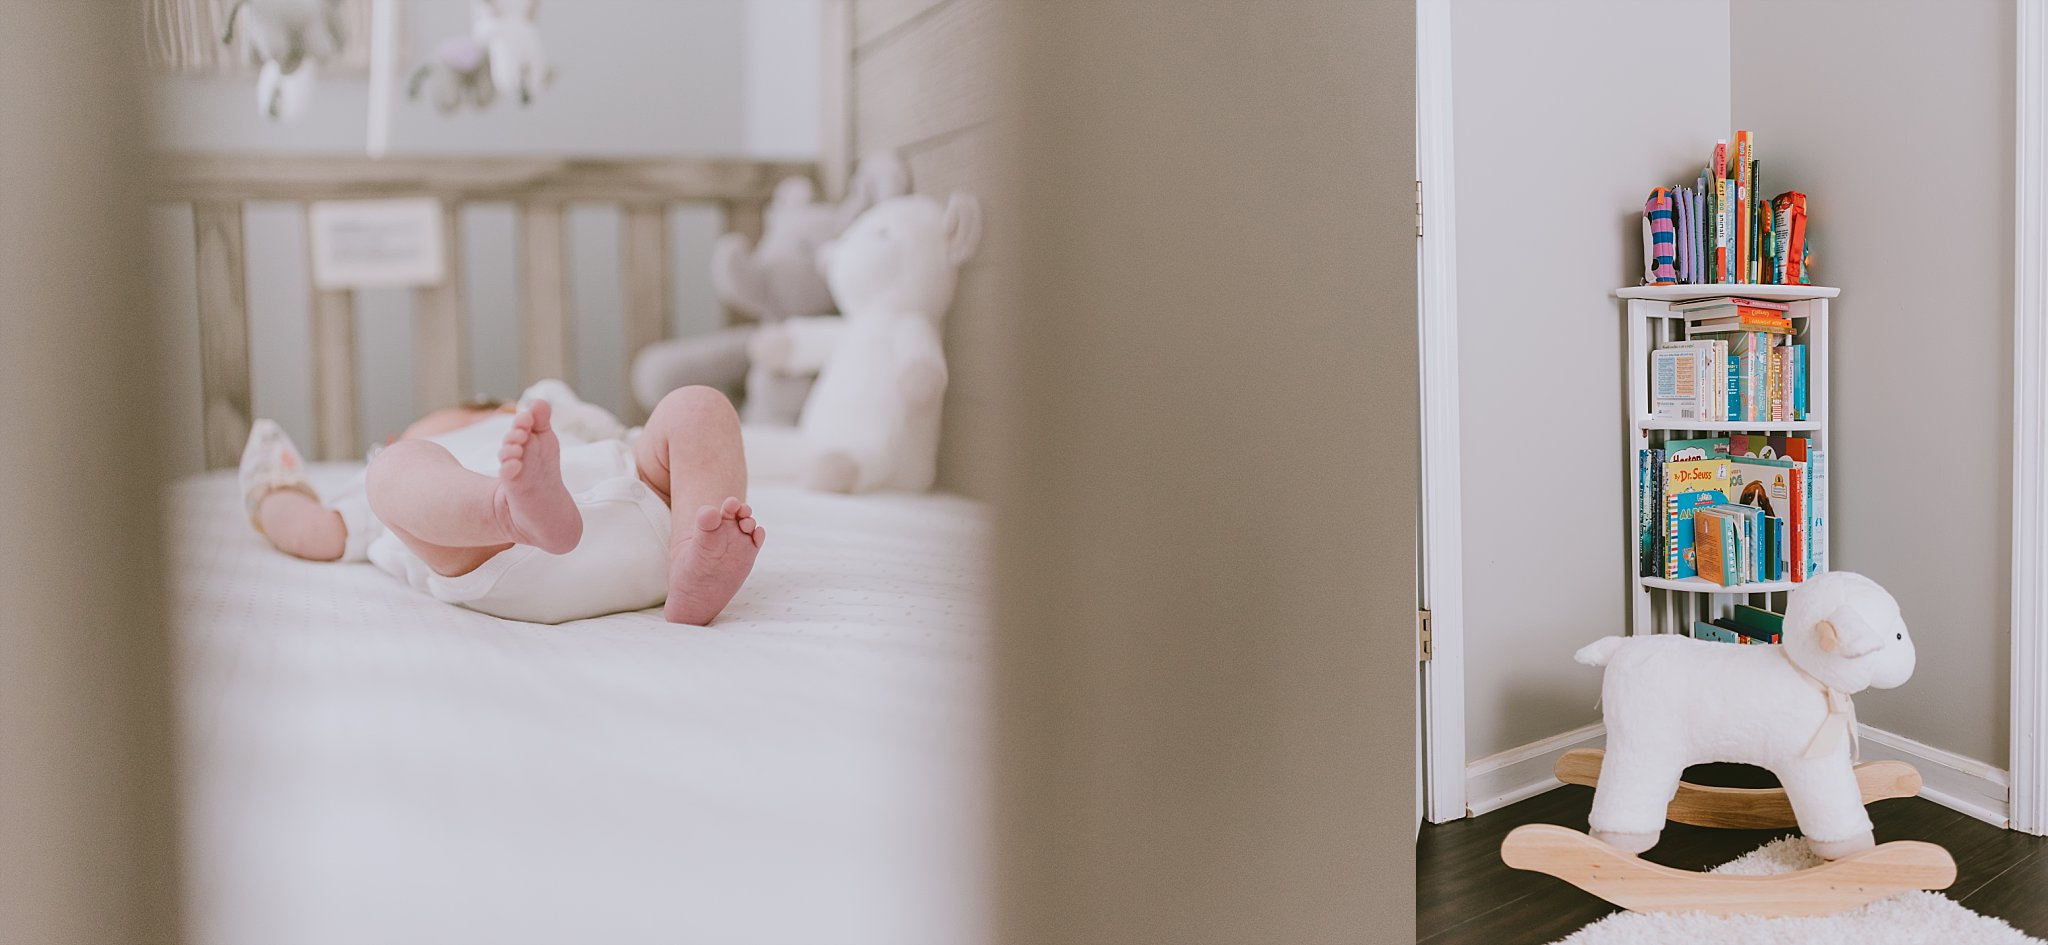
[690, 453]
[455, 519]
[298, 525]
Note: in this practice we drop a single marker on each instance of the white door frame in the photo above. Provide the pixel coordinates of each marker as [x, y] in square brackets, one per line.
[2029, 763]
[1443, 552]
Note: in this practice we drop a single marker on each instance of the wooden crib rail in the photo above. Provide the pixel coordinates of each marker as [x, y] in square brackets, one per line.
[217, 186]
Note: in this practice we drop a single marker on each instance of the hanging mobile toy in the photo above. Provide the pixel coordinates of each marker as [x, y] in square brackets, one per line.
[288, 37]
[458, 74]
[518, 61]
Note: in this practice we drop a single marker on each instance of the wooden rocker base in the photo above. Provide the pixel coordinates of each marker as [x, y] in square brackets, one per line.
[1701, 805]
[1638, 885]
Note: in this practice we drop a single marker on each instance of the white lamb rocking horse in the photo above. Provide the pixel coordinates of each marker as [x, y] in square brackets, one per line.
[1672, 701]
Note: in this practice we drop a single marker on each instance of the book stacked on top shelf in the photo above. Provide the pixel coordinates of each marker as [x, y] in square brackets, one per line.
[1733, 510]
[1738, 362]
[1720, 229]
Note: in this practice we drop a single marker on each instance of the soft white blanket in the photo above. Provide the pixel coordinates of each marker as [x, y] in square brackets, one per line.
[366, 765]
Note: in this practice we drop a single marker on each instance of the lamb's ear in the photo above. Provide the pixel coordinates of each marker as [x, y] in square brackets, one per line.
[1859, 640]
[963, 227]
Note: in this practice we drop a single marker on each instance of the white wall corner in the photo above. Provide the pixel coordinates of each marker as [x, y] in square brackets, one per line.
[1443, 548]
[2029, 807]
[1517, 774]
[1951, 780]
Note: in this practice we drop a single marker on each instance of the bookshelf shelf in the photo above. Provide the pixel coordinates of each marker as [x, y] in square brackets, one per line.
[1726, 426]
[1662, 605]
[1687, 293]
[1704, 586]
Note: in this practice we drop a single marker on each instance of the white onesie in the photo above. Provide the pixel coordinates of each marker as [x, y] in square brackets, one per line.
[620, 565]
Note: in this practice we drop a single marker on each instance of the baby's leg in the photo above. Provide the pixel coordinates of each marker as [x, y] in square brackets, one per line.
[455, 519]
[298, 525]
[690, 453]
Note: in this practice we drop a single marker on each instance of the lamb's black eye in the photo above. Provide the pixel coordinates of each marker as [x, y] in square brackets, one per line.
[1898, 636]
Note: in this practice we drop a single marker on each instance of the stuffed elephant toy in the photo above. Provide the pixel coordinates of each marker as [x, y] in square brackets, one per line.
[1672, 701]
[769, 282]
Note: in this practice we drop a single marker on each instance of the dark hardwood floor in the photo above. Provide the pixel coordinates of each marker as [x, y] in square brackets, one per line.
[1465, 894]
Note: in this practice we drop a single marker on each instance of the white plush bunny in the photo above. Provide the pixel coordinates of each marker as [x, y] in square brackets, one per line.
[1672, 701]
[518, 61]
[872, 420]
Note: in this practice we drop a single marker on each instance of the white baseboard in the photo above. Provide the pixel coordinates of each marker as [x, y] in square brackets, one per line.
[1496, 781]
[1951, 780]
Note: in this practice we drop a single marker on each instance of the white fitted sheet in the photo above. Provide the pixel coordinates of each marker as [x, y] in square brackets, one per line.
[367, 766]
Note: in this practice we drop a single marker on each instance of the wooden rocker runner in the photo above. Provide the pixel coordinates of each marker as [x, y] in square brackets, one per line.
[1638, 885]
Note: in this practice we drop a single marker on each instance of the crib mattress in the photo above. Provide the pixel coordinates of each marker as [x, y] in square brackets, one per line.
[367, 765]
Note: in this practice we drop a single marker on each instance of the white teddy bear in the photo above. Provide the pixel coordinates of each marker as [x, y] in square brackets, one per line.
[1672, 701]
[872, 420]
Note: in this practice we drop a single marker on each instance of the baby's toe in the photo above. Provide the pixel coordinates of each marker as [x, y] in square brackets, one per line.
[708, 518]
[759, 535]
[731, 508]
[748, 525]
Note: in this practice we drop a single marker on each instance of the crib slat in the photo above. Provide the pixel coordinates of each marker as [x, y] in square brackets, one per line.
[336, 431]
[647, 287]
[543, 293]
[223, 329]
[440, 367]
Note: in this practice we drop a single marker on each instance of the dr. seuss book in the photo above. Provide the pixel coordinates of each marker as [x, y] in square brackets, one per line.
[1689, 485]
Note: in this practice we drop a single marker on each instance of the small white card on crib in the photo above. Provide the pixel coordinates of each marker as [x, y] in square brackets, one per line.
[369, 244]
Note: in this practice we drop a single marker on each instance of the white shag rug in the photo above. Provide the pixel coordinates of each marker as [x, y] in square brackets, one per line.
[1914, 918]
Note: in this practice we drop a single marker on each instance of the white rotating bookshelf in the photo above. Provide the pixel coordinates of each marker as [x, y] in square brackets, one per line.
[1663, 605]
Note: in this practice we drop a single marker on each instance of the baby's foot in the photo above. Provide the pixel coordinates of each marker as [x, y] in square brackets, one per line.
[708, 564]
[269, 463]
[533, 506]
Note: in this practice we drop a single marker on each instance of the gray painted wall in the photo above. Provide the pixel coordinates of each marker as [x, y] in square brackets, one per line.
[1900, 129]
[635, 78]
[1558, 142]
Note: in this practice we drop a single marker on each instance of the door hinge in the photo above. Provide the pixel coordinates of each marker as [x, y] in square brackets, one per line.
[1423, 647]
[1418, 209]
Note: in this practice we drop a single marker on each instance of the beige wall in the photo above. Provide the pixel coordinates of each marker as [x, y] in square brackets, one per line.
[87, 813]
[1204, 657]
[1900, 129]
[1557, 143]
[924, 84]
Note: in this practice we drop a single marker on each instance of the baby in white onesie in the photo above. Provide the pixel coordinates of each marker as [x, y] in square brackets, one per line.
[545, 511]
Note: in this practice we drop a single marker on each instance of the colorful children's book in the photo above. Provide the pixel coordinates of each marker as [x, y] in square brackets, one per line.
[1689, 486]
[1817, 513]
[1767, 446]
[1791, 206]
[1714, 447]
[1722, 230]
[1743, 155]
[1679, 380]
[1756, 623]
[1648, 474]
[1714, 546]
[1799, 396]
